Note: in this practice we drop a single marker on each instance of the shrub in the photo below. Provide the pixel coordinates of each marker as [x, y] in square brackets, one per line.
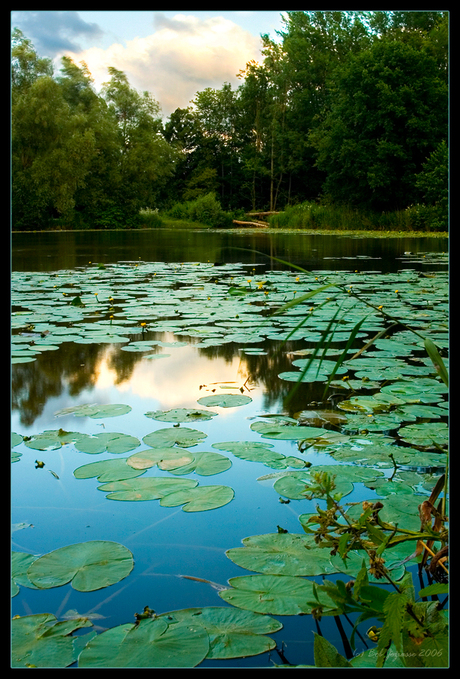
[205, 209]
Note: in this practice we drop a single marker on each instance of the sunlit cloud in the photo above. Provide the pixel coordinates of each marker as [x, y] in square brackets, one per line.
[182, 56]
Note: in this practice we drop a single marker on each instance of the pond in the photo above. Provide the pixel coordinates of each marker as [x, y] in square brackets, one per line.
[157, 410]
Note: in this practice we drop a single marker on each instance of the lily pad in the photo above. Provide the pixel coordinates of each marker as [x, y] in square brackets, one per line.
[166, 458]
[87, 565]
[143, 489]
[95, 411]
[281, 554]
[181, 436]
[204, 464]
[273, 594]
[41, 641]
[110, 442]
[20, 562]
[107, 470]
[151, 643]
[225, 400]
[233, 633]
[275, 429]
[180, 415]
[199, 499]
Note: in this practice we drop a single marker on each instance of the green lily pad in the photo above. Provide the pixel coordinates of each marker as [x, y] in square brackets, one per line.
[95, 411]
[204, 464]
[251, 450]
[426, 434]
[41, 641]
[180, 415]
[225, 400]
[20, 562]
[166, 458]
[233, 633]
[181, 436]
[107, 470]
[151, 643]
[199, 499]
[281, 554]
[143, 489]
[273, 594]
[110, 442]
[275, 429]
[87, 565]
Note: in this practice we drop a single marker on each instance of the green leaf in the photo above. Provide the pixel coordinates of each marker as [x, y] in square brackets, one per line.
[199, 499]
[272, 594]
[143, 489]
[438, 363]
[181, 415]
[107, 470]
[87, 565]
[233, 633]
[166, 458]
[151, 643]
[181, 436]
[225, 400]
[281, 554]
[41, 641]
[326, 655]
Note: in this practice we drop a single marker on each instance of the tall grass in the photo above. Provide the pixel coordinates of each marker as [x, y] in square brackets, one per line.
[313, 216]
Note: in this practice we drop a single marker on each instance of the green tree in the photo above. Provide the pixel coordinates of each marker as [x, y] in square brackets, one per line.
[145, 159]
[51, 154]
[387, 113]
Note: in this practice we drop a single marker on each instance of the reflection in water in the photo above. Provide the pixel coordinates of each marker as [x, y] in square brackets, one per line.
[177, 377]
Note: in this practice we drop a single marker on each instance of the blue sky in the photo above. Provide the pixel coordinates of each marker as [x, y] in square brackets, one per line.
[172, 54]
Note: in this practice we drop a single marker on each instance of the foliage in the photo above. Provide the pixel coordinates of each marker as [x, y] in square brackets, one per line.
[348, 106]
[205, 210]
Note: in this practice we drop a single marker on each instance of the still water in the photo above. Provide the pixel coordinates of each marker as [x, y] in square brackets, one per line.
[167, 543]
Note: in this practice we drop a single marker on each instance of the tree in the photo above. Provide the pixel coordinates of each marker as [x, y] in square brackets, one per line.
[145, 160]
[51, 153]
[388, 112]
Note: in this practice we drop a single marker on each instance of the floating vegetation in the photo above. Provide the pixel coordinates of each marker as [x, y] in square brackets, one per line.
[371, 347]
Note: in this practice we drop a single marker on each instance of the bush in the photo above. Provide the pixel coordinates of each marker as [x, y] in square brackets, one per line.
[205, 209]
[149, 218]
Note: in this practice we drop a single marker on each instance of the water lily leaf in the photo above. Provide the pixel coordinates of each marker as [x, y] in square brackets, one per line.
[180, 415]
[110, 442]
[426, 434]
[95, 410]
[233, 633]
[199, 499]
[51, 439]
[166, 458]
[285, 432]
[41, 641]
[181, 436]
[142, 489]
[151, 643]
[107, 470]
[251, 450]
[297, 485]
[273, 594]
[87, 565]
[225, 400]
[281, 554]
[204, 464]
[20, 562]
[16, 439]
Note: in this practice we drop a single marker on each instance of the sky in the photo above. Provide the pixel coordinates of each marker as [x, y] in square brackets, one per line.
[171, 54]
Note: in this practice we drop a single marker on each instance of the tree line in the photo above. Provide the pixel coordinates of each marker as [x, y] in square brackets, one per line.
[346, 108]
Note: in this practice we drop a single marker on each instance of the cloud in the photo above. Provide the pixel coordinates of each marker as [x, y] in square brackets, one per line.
[182, 56]
[55, 32]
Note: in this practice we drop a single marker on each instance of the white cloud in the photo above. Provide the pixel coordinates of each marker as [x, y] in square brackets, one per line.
[183, 56]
